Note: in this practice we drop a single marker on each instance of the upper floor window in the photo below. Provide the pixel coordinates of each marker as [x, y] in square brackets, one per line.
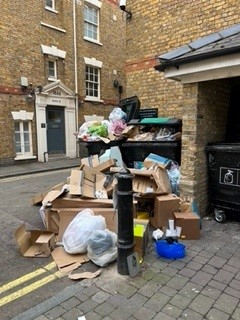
[52, 70]
[50, 4]
[92, 82]
[91, 20]
[92, 78]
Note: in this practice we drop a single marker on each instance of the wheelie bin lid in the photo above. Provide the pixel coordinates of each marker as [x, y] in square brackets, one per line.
[131, 107]
[168, 121]
[224, 146]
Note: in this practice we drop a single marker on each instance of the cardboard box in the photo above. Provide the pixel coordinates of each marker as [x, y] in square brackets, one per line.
[58, 219]
[34, 243]
[141, 236]
[66, 216]
[164, 207]
[148, 182]
[88, 183]
[190, 224]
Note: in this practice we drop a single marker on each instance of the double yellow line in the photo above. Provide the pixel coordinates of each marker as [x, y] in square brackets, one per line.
[29, 288]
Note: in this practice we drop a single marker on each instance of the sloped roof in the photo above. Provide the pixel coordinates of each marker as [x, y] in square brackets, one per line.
[216, 44]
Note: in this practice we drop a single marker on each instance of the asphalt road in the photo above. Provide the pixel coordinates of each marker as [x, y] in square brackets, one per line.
[25, 282]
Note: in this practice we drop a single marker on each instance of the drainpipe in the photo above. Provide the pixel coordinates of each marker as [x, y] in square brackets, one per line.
[75, 70]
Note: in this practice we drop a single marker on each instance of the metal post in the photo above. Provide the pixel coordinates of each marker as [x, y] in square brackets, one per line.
[125, 219]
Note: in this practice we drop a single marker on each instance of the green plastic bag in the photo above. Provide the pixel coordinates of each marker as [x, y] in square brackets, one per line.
[98, 129]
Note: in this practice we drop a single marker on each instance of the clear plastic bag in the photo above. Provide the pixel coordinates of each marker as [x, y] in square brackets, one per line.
[174, 176]
[75, 237]
[117, 114]
[101, 248]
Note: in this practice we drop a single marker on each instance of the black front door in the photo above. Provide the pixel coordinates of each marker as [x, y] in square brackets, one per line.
[55, 130]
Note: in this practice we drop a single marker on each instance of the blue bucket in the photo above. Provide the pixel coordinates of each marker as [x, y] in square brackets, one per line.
[173, 250]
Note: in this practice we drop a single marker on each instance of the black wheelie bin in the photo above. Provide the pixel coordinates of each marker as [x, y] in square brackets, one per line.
[134, 152]
[223, 160]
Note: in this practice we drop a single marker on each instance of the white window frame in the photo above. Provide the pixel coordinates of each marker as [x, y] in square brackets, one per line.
[23, 117]
[51, 7]
[93, 5]
[54, 76]
[96, 65]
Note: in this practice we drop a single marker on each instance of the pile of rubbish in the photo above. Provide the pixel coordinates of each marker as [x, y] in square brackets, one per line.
[80, 215]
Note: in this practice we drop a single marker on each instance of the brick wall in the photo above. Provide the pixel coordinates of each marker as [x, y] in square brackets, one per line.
[159, 27]
[205, 107]
[23, 32]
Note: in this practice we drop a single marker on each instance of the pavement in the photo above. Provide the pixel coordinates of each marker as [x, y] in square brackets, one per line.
[204, 284]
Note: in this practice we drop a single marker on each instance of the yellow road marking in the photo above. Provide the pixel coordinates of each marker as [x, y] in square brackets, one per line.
[37, 284]
[27, 277]
[30, 288]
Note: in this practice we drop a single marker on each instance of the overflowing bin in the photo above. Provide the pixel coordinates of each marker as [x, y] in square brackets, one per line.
[134, 152]
[165, 143]
[223, 178]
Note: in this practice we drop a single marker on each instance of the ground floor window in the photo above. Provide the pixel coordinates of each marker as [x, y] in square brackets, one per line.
[23, 141]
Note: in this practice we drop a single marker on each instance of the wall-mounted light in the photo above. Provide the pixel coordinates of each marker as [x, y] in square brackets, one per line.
[29, 90]
[122, 5]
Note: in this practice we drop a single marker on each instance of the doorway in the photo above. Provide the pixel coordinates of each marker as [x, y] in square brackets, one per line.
[55, 130]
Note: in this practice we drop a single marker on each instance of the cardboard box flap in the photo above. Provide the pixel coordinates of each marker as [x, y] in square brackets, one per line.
[52, 195]
[23, 238]
[106, 165]
[144, 185]
[91, 161]
[76, 180]
[82, 203]
[67, 262]
[162, 180]
[44, 238]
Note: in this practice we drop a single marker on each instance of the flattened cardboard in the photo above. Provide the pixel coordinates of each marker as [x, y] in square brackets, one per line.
[164, 207]
[52, 195]
[189, 222]
[34, 243]
[37, 199]
[67, 262]
[81, 203]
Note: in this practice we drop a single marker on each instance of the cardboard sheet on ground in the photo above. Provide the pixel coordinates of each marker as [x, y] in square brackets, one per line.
[84, 275]
[66, 262]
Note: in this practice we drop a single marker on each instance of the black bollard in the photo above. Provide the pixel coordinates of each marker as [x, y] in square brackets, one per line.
[125, 219]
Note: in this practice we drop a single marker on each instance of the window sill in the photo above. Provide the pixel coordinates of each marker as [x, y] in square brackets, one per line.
[52, 79]
[93, 41]
[51, 9]
[91, 99]
[25, 157]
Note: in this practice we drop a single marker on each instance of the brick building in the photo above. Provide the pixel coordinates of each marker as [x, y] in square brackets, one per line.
[59, 60]
[183, 58]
